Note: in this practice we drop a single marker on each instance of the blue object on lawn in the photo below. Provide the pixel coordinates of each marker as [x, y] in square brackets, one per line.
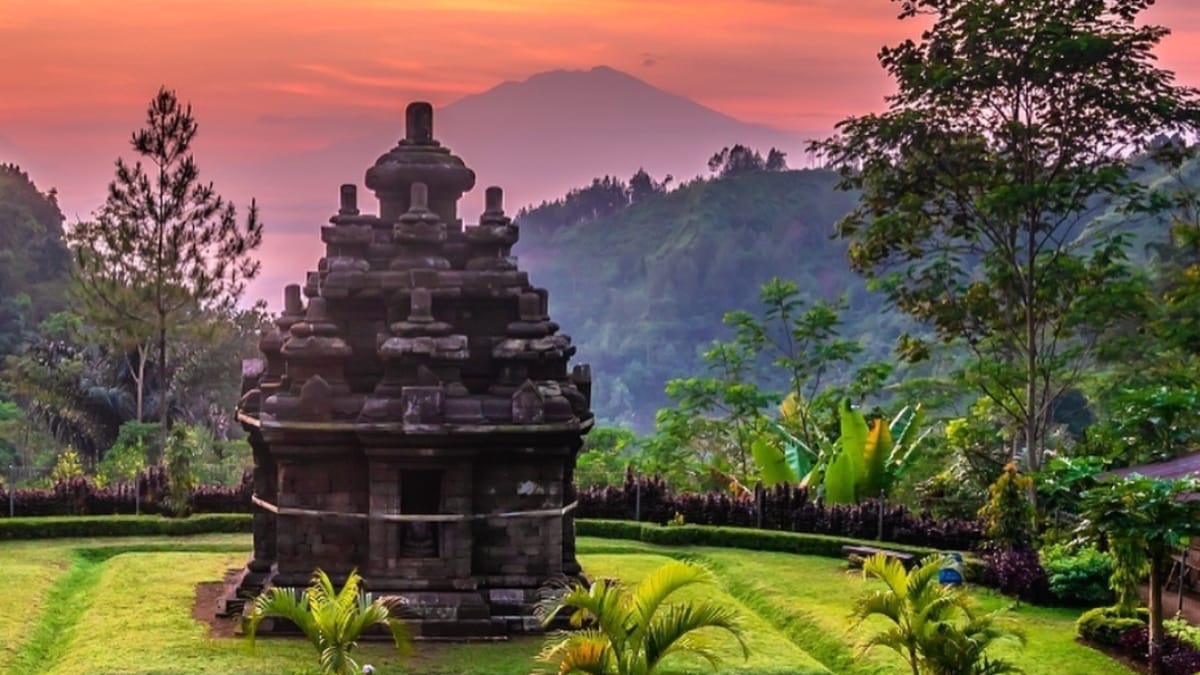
[951, 572]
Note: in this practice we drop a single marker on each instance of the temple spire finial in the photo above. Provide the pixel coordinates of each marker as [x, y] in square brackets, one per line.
[418, 119]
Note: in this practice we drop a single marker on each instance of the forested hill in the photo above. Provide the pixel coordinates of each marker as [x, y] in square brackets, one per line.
[34, 261]
[642, 291]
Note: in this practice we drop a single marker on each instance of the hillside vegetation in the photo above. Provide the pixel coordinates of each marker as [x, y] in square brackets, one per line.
[642, 291]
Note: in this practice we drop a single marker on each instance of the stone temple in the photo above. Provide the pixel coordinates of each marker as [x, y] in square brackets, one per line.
[413, 415]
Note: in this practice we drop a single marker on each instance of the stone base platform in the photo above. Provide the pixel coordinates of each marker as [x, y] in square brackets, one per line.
[431, 615]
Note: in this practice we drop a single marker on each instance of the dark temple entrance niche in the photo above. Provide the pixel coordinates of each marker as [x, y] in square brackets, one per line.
[420, 493]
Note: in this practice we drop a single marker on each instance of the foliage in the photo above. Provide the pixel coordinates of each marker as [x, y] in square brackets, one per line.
[936, 628]
[629, 631]
[796, 345]
[1063, 481]
[1106, 625]
[1009, 515]
[740, 160]
[69, 388]
[1017, 572]
[74, 527]
[84, 496]
[1178, 628]
[607, 453]
[333, 620]
[34, 262]
[604, 197]
[1148, 424]
[129, 454]
[681, 260]
[67, 467]
[1178, 657]
[183, 445]
[164, 247]
[979, 179]
[1078, 577]
[1144, 521]
[783, 508]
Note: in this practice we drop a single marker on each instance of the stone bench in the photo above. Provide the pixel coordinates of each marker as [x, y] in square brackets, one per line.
[852, 552]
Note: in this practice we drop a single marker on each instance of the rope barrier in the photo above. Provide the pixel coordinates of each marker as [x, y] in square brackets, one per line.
[411, 517]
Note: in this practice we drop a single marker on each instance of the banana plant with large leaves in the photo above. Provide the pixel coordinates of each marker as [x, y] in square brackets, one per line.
[863, 462]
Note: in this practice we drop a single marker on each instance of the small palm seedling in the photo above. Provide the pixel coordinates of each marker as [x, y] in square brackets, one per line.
[936, 628]
[332, 620]
[629, 631]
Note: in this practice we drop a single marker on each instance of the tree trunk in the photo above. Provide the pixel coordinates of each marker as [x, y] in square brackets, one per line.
[164, 384]
[141, 382]
[1156, 615]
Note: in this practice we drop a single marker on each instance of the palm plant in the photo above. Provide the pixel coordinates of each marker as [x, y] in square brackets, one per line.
[936, 628]
[629, 631]
[332, 620]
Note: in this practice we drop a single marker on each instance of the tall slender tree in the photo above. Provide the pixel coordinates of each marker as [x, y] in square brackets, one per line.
[164, 243]
[1010, 131]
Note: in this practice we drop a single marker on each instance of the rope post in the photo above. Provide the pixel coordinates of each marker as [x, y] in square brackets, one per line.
[758, 504]
[882, 505]
[12, 506]
[637, 504]
[1183, 566]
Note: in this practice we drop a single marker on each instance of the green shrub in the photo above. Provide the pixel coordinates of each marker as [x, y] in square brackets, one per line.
[67, 467]
[1183, 631]
[1078, 577]
[1105, 625]
[130, 454]
[184, 444]
[54, 527]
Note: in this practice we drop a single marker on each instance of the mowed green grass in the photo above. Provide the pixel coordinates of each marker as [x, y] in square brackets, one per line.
[124, 606]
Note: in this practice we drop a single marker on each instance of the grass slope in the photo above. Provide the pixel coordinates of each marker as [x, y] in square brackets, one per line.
[124, 606]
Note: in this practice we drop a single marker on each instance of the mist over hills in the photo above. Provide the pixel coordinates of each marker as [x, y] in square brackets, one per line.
[542, 136]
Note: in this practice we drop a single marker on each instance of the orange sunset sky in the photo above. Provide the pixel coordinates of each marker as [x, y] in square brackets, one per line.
[77, 74]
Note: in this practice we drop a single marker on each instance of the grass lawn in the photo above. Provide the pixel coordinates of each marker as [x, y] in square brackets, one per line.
[124, 606]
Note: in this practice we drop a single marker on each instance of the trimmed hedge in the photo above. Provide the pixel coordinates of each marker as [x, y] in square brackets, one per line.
[756, 540]
[1104, 626]
[55, 527]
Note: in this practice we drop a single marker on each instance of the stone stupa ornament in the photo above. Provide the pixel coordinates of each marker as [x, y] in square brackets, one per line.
[416, 418]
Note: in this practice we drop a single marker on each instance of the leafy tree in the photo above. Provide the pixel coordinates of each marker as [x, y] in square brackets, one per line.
[776, 160]
[164, 244]
[333, 620]
[1011, 127]
[1144, 521]
[629, 631]
[183, 446]
[804, 342]
[642, 186]
[607, 453]
[34, 261]
[936, 628]
[736, 161]
[69, 387]
[1009, 515]
[722, 412]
